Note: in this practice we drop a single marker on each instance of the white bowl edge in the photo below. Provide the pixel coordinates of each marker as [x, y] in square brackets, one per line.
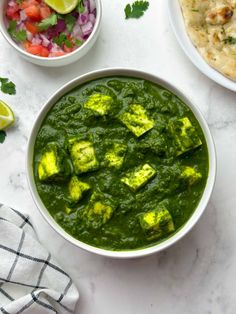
[205, 197]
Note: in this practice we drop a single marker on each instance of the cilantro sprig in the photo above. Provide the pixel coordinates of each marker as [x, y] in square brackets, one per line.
[7, 87]
[19, 35]
[2, 136]
[230, 40]
[63, 40]
[48, 22]
[70, 21]
[136, 9]
[81, 7]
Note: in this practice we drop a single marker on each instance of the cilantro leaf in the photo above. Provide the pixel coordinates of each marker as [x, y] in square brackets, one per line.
[7, 87]
[81, 7]
[136, 9]
[19, 35]
[78, 42]
[70, 22]
[59, 40]
[46, 23]
[2, 136]
[68, 43]
[230, 40]
[63, 40]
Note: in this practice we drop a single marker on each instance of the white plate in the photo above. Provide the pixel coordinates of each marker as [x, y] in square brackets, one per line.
[177, 22]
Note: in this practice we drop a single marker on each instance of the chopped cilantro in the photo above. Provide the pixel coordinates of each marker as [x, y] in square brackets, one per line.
[81, 7]
[19, 1]
[136, 10]
[70, 22]
[62, 40]
[230, 40]
[19, 35]
[78, 42]
[2, 136]
[46, 23]
[7, 87]
[68, 43]
[59, 40]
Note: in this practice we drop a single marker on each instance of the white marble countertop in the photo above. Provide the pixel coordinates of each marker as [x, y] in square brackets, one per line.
[197, 275]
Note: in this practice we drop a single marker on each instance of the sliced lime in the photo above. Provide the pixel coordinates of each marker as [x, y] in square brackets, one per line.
[62, 6]
[6, 116]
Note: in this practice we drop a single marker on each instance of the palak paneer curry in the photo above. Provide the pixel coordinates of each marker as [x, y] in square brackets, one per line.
[120, 163]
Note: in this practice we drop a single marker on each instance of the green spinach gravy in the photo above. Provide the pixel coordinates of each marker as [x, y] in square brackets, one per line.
[120, 163]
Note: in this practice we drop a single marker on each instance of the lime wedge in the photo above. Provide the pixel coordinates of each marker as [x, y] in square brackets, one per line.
[62, 6]
[6, 116]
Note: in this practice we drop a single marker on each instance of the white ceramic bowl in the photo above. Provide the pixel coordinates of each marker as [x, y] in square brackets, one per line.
[205, 197]
[57, 61]
[178, 25]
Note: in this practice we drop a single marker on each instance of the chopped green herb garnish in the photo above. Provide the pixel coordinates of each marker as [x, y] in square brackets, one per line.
[195, 10]
[136, 10]
[48, 22]
[68, 43]
[70, 22]
[19, 1]
[19, 35]
[7, 87]
[2, 136]
[78, 42]
[62, 40]
[81, 7]
[230, 40]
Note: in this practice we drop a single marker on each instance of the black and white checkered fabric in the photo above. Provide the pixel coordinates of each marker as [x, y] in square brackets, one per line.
[30, 280]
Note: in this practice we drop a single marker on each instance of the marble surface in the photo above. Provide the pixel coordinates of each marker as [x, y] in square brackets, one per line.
[197, 275]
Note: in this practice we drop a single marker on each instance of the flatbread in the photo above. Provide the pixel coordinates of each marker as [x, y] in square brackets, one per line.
[211, 25]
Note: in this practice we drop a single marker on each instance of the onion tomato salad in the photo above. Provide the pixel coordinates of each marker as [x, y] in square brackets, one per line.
[41, 31]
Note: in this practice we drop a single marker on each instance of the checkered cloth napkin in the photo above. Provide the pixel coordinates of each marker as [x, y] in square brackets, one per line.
[30, 280]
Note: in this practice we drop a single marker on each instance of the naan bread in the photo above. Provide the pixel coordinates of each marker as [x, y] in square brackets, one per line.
[211, 25]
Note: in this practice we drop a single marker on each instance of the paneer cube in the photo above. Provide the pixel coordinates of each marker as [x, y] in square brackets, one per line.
[191, 175]
[77, 188]
[53, 165]
[115, 156]
[157, 223]
[139, 177]
[99, 103]
[185, 135]
[98, 211]
[68, 210]
[83, 156]
[137, 120]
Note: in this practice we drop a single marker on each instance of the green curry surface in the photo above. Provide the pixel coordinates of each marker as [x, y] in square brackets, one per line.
[130, 173]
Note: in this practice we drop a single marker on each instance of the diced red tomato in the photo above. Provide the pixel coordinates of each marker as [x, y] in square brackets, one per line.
[37, 50]
[13, 13]
[57, 54]
[27, 3]
[45, 11]
[33, 12]
[31, 27]
[67, 49]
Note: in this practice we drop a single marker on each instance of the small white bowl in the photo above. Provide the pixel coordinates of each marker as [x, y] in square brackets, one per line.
[179, 28]
[206, 194]
[56, 61]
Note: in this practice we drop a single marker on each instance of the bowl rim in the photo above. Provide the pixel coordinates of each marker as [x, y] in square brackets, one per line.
[138, 74]
[8, 38]
[179, 29]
